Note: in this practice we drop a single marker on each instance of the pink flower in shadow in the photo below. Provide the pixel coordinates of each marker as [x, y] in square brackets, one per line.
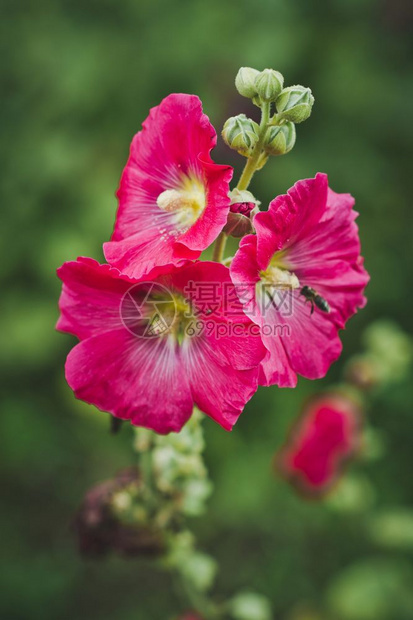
[173, 199]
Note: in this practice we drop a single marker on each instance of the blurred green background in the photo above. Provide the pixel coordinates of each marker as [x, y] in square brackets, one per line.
[77, 80]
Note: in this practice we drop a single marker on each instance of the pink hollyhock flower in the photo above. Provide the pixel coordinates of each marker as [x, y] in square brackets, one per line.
[173, 199]
[152, 348]
[300, 278]
[324, 439]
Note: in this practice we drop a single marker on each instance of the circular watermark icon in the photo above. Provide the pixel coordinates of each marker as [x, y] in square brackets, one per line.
[148, 310]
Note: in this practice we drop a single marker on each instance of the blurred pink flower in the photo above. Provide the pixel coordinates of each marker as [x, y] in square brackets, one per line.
[325, 437]
[152, 348]
[306, 245]
[173, 199]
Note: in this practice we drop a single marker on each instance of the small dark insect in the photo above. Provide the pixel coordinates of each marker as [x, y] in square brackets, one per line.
[315, 299]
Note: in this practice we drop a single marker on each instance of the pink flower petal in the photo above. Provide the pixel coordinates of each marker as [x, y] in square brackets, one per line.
[141, 380]
[290, 217]
[142, 252]
[207, 228]
[89, 302]
[328, 259]
[223, 363]
[310, 341]
[275, 367]
[218, 388]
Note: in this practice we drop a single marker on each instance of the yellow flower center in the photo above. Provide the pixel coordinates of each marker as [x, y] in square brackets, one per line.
[171, 318]
[279, 278]
[186, 202]
[275, 284]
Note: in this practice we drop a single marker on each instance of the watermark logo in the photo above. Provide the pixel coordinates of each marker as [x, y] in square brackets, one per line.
[148, 310]
[151, 310]
[272, 298]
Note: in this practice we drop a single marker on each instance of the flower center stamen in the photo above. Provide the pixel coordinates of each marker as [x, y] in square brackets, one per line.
[186, 203]
[183, 318]
[275, 286]
[279, 278]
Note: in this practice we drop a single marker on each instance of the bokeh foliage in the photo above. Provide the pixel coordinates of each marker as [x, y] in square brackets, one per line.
[77, 79]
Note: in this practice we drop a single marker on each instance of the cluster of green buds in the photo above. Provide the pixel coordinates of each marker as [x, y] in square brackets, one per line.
[142, 513]
[176, 478]
[174, 486]
[142, 509]
[277, 136]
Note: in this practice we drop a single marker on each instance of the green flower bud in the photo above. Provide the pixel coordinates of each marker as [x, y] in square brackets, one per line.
[241, 134]
[294, 103]
[280, 139]
[244, 82]
[268, 84]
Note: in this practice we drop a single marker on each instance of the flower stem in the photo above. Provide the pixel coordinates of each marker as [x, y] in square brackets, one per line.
[252, 161]
[146, 467]
[219, 247]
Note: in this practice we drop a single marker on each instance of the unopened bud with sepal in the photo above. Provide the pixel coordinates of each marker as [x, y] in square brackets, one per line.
[280, 139]
[241, 134]
[295, 103]
[243, 208]
[268, 85]
[245, 82]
